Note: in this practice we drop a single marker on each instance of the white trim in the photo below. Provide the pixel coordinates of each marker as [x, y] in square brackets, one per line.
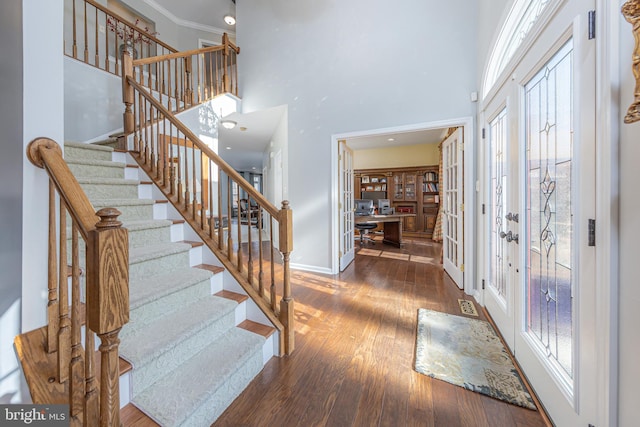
[208, 42]
[310, 268]
[469, 138]
[185, 23]
[607, 196]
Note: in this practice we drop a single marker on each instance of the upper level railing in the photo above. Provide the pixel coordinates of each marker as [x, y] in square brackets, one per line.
[98, 36]
[95, 296]
[254, 244]
[184, 79]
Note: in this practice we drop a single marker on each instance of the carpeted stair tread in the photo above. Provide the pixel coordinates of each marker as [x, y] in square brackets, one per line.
[171, 330]
[192, 394]
[147, 224]
[122, 202]
[107, 181]
[149, 289]
[78, 150]
[86, 146]
[142, 254]
[93, 162]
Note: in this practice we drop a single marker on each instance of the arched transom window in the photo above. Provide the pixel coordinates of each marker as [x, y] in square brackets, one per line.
[521, 18]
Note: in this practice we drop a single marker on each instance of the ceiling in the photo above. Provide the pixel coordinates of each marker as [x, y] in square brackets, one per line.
[243, 149]
[202, 14]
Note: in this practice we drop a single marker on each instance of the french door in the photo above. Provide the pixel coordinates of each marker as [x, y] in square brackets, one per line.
[452, 220]
[540, 170]
[345, 162]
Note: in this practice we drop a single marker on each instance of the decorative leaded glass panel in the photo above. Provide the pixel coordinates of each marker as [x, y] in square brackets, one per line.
[498, 147]
[549, 156]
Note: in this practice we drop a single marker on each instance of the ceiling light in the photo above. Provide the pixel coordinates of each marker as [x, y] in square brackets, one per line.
[228, 148]
[228, 124]
[391, 139]
[230, 19]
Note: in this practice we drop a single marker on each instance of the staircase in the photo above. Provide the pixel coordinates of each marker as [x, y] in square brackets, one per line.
[189, 358]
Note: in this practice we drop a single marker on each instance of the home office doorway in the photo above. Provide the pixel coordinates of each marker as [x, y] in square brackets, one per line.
[341, 220]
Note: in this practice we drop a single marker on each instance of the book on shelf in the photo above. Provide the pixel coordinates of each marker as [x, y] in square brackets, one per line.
[430, 176]
[430, 187]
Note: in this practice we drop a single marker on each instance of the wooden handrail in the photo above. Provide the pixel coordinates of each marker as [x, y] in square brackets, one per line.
[99, 36]
[46, 153]
[183, 167]
[224, 166]
[177, 55]
[130, 24]
[106, 294]
[191, 77]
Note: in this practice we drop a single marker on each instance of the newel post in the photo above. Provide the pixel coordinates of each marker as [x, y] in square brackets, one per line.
[286, 304]
[108, 303]
[226, 79]
[128, 96]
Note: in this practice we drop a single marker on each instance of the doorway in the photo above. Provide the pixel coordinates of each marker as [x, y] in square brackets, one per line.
[466, 148]
[539, 169]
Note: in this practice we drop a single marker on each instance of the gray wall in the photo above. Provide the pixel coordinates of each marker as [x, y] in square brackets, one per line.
[10, 191]
[350, 66]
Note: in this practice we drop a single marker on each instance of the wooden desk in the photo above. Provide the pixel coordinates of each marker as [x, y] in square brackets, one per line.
[392, 226]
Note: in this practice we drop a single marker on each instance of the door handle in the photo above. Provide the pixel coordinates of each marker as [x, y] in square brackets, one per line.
[513, 217]
[509, 236]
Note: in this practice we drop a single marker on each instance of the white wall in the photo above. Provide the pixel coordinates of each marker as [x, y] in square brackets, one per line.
[93, 102]
[629, 314]
[350, 66]
[11, 155]
[43, 98]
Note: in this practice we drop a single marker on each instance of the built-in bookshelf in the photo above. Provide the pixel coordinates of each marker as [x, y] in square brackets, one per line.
[410, 190]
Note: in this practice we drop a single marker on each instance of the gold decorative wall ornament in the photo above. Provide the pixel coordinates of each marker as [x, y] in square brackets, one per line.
[631, 12]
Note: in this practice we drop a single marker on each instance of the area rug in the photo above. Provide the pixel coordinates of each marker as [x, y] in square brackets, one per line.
[468, 353]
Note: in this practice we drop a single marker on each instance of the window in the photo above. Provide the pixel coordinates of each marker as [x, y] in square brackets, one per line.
[520, 20]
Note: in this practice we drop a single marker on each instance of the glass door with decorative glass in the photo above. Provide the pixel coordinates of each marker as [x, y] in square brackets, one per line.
[540, 174]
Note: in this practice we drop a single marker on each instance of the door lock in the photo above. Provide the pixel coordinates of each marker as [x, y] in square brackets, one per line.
[509, 236]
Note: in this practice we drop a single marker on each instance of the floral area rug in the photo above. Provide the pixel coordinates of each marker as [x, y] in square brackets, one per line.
[468, 353]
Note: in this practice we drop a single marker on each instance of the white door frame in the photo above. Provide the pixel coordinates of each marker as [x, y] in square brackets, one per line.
[607, 189]
[470, 285]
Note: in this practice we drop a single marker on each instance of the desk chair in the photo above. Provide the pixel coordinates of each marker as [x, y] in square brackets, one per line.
[364, 228]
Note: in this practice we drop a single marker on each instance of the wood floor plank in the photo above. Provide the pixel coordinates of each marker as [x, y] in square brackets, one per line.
[355, 350]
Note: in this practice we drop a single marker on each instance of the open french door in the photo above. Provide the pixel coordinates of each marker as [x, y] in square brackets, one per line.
[345, 162]
[540, 169]
[452, 219]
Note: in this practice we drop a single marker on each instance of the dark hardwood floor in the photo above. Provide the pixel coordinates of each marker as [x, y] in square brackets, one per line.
[355, 344]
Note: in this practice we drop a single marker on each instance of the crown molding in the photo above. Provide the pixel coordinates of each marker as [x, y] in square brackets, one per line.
[185, 23]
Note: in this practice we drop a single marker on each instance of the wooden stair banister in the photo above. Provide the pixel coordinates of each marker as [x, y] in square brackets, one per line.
[177, 160]
[99, 46]
[198, 75]
[92, 401]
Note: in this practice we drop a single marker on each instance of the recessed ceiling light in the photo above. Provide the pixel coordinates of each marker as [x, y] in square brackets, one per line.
[230, 19]
[228, 148]
[228, 124]
[391, 139]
